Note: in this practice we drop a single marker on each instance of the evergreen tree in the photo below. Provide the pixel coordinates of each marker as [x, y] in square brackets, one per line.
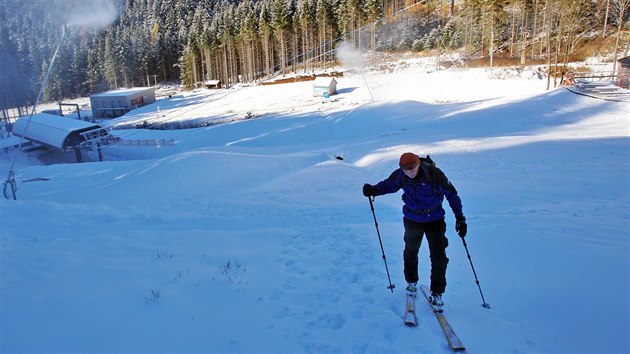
[281, 24]
[265, 31]
[232, 40]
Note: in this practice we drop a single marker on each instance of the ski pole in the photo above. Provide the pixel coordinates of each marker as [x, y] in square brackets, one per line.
[391, 286]
[485, 304]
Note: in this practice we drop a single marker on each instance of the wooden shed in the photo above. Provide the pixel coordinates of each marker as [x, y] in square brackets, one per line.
[212, 84]
[115, 103]
[323, 86]
[623, 73]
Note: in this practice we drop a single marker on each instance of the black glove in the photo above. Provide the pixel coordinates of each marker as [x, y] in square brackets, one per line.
[369, 190]
[461, 227]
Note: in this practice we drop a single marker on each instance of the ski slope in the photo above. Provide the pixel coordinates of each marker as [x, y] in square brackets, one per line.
[253, 236]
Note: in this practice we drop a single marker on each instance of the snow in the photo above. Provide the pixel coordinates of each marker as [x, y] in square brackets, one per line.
[252, 236]
[124, 92]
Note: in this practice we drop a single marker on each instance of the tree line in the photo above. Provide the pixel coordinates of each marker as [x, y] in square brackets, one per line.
[190, 41]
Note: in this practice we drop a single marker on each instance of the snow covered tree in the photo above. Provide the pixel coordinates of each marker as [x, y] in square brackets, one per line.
[281, 24]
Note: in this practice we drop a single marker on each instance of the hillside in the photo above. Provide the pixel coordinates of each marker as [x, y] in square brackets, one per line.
[253, 236]
[109, 44]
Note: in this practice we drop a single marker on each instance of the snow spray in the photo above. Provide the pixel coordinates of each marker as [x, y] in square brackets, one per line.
[92, 14]
[354, 59]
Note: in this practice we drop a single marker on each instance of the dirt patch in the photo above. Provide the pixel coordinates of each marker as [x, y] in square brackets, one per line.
[301, 78]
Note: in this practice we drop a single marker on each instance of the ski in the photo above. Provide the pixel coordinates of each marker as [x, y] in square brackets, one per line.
[410, 311]
[451, 337]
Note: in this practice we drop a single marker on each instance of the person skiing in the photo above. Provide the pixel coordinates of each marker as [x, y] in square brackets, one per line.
[424, 187]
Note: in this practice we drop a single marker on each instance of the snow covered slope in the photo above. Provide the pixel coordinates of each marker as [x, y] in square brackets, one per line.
[251, 236]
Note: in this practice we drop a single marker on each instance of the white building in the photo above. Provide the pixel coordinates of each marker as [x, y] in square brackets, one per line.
[324, 85]
[115, 103]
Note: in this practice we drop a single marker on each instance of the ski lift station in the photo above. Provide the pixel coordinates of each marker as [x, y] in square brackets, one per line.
[324, 86]
[54, 132]
[115, 103]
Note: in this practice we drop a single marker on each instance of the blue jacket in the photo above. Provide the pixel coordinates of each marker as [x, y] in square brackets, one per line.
[423, 195]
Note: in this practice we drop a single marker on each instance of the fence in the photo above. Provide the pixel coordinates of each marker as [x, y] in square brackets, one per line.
[147, 142]
[595, 76]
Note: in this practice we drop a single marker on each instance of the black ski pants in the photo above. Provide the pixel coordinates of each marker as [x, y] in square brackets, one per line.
[436, 237]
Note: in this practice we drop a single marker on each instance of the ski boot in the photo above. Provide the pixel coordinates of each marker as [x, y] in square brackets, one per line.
[437, 302]
[411, 290]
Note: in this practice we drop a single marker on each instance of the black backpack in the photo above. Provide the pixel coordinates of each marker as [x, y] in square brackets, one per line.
[427, 161]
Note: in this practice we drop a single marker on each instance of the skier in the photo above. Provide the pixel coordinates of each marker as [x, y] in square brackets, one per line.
[424, 187]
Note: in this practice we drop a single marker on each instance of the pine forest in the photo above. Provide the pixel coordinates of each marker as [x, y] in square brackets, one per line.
[148, 42]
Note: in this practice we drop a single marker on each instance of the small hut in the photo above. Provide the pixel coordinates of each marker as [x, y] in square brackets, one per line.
[212, 84]
[323, 86]
[623, 73]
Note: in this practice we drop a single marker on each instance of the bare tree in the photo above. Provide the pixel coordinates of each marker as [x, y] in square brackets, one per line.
[620, 7]
[535, 28]
[606, 18]
[548, 24]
